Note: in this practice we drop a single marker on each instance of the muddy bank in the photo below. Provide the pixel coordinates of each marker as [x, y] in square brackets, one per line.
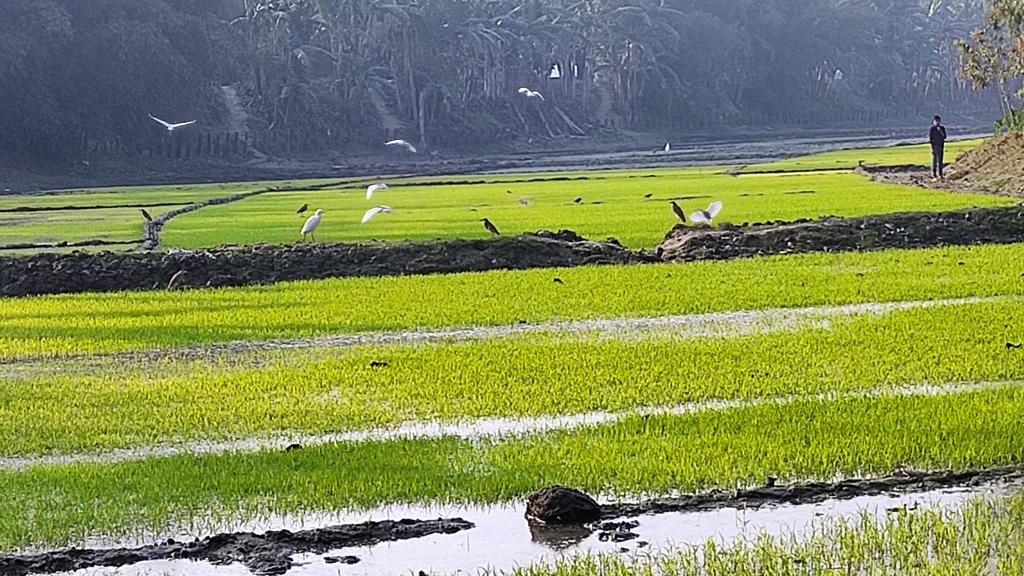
[1002, 225]
[269, 553]
[623, 150]
[262, 264]
[811, 492]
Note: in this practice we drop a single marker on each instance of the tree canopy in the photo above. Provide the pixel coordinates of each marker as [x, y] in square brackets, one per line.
[441, 72]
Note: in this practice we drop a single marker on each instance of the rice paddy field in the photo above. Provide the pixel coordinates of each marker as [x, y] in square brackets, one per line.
[629, 205]
[132, 418]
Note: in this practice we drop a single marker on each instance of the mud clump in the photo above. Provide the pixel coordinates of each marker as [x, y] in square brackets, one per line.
[812, 492]
[1001, 225]
[264, 554]
[264, 264]
[557, 505]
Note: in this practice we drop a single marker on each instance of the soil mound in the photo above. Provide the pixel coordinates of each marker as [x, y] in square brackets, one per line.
[997, 166]
[561, 505]
[1001, 225]
[263, 264]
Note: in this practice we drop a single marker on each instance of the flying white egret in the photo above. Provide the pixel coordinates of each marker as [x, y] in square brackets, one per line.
[311, 223]
[374, 188]
[401, 143]
[172, 127]
[530, 93]
[706, 216]
[376, 210]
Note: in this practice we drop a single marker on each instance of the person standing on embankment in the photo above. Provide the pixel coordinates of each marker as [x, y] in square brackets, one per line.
[937, 137]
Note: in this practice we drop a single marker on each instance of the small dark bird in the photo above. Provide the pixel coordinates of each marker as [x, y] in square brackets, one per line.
[678, 212]
[1013, 346]
[302, 209]
[578, 200]
[770, 482]
[293, 447]
[378, 364]
[62, 244]
[508, 191]
[490, 227]
[559, 281]
[648, 196]
[146, 214]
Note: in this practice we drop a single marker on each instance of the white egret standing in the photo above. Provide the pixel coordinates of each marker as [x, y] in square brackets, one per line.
[706, 216]
[530, 93]
[376, 210]
[374, 188]
[311, 223]
[402, 143]
[668, 147]
[172, 127]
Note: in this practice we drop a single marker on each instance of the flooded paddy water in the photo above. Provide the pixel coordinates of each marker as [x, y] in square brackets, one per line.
[500, 539]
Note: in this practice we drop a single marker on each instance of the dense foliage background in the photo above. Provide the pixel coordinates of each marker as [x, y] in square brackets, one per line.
[445, 72]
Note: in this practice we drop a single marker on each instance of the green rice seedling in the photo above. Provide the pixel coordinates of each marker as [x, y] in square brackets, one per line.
[86, 323]
[65, 504]
[613, 204]
[330, 390]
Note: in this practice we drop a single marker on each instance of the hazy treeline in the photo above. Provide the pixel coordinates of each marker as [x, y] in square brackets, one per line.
[441, 71]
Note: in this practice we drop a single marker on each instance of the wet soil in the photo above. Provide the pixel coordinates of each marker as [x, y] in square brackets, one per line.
[264, 554]
[810, 492]
[262, 264]
[1000, 225]
[498, 537]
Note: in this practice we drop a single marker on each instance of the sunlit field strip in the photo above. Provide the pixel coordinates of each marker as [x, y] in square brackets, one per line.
[73, 324]
[613, 205]
[912, 154]
[333, 390]
[58, 505]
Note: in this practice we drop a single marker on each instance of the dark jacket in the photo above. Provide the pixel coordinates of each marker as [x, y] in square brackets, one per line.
[937, 135]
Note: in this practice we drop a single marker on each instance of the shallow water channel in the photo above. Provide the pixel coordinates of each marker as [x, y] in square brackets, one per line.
[503, 540]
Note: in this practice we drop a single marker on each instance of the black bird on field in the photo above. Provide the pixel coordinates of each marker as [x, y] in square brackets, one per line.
[1013, 346]
[648, 195]
[559, 281]
[302, 209]
[578, 200]
[146, 214]
[293, 447]
[490, 227]
[678, 212]
[770, 482]
[378, 364]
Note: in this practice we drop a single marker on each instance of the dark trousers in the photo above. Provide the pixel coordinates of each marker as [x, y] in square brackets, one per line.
[937, 152]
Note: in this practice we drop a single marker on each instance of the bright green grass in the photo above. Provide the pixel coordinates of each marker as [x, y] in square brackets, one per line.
[919, 154]
[982, 537]
[61, 504]
[112, 224]
[336, 389]
[84, 323]
[430, 212]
